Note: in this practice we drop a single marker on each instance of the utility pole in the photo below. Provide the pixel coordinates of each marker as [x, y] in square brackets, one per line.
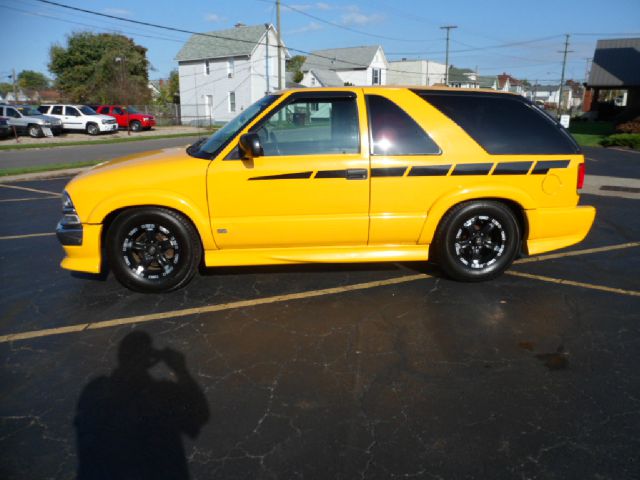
[564, 65]
[266, 63]
[446, 73]
[15, 88]
[279, 44]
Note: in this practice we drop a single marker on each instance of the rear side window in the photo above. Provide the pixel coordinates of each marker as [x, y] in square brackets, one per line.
[394, 132]
[57, 110]
[503, 124]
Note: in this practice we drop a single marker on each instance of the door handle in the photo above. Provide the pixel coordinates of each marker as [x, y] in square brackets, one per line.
[356, 174]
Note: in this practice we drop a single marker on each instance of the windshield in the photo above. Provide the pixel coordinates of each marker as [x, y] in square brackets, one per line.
[131, 109]
[28, 110]
[87, 110]
[220, 138]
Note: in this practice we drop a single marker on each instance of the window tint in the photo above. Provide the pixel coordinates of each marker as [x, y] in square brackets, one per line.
[394, 132]
[310, 127]
[57, 110]
[43, 108]
[11, 112]
[71, 112]
[116, 111]
[503, 124]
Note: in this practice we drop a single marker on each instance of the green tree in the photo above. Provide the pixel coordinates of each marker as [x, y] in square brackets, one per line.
[101, 68]
[294, 64]
[170, 90]
[5, 88]
[32, 80]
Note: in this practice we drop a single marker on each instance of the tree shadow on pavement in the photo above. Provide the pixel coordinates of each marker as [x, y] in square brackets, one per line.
[129, 425]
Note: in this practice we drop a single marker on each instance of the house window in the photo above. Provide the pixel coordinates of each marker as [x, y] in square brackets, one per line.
[313, 80]
[208, 105]
[376, 74]
[232, 101]
[230, 68]
[207, 70]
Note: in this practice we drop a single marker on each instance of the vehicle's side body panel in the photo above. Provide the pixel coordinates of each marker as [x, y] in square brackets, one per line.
[290, 200]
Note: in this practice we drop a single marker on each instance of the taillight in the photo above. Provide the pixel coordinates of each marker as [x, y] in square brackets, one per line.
[580, 175]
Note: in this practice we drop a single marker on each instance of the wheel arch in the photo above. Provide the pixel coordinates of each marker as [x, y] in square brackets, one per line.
[515, 200]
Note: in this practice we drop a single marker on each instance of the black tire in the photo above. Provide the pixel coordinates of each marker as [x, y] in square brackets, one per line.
[93, 129]
[35, 131]
[477, 240]
[153, 249]
[135, 125]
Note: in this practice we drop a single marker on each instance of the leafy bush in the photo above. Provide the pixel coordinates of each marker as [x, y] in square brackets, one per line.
[631, 140]
[632, 126]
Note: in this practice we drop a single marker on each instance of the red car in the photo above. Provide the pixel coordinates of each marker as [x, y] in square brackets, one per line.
[127, 116]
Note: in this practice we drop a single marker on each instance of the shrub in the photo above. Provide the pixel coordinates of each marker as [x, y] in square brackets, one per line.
[632, 126]
[631, 140]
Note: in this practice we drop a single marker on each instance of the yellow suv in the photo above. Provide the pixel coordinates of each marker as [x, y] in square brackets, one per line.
[469, 178]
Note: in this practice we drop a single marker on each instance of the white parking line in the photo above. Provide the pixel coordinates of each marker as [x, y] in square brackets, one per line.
[26, 189]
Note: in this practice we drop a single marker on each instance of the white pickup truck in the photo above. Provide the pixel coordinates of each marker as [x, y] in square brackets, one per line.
[81, 118]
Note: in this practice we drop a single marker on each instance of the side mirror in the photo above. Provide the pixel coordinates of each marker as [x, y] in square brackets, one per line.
[250, 146]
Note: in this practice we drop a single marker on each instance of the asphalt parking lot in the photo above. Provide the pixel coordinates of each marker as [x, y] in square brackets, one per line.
[325, 371]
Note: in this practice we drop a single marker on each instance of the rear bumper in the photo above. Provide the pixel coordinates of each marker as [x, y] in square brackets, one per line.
[86, 256]
[554, 228]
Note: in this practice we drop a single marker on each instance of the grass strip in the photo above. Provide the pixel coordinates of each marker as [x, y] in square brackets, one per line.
[24, 146]
[46, 168]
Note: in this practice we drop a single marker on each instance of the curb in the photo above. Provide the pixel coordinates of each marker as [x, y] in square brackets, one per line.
[23, 177]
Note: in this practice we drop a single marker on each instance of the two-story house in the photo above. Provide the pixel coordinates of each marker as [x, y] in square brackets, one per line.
[351, 66]
[223, 72]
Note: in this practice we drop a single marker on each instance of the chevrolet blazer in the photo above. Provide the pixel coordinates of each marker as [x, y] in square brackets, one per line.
[467, 178]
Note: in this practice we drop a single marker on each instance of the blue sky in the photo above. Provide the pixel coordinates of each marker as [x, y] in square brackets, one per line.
[405, 28]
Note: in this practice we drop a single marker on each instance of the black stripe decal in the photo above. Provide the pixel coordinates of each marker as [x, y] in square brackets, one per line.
[543, 166]
[430, 171]
[512, 168]
[284, 176]
[331, 174]
[388, 172]
[472, 169]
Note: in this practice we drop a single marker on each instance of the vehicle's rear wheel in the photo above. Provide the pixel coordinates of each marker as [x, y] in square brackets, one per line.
[136, 126]
[477, 240]
[153, 249]
[93, 129]
[35, 131]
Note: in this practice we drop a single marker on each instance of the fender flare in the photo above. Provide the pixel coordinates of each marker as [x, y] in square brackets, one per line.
[453, 197]
[157, 198]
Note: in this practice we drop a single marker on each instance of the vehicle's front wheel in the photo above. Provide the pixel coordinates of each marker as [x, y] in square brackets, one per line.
[93, 129]
[153, 249]
[136, 126]
[477, 240]
[35, 131]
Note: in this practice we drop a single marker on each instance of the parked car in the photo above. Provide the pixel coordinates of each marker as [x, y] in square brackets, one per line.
[81, 118]
[5, 130]
[28, 120]
[468, 178]
[128, 117]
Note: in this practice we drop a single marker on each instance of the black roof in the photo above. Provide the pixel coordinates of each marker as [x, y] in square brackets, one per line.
[616, 63]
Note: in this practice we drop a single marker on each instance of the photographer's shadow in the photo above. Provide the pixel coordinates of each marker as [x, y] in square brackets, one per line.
[129, 425]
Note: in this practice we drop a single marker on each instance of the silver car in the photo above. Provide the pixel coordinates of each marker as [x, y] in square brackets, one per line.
[27, 119]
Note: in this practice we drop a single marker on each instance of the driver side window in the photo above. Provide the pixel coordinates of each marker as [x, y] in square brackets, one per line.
[312, 127]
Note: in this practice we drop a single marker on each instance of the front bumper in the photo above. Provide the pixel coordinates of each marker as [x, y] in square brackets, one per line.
[84, 256]
[554, 228]
[108, 127]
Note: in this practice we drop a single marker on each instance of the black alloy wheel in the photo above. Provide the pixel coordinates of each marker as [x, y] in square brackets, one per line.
[153, 249]
[477, 240]
[136, 126]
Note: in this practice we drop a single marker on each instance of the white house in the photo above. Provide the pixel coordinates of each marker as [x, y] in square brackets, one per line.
[339, 66]
[507, 83]
[416, 72]
[223, 72]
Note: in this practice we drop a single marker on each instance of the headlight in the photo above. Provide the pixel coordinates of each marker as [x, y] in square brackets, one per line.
[105, 121]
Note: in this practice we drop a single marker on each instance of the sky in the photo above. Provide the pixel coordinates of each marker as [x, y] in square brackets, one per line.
[524, 39]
